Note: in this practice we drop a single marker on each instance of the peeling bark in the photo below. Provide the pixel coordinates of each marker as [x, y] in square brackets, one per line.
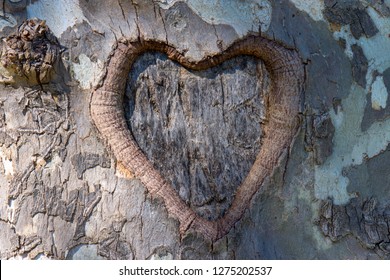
[66, 194]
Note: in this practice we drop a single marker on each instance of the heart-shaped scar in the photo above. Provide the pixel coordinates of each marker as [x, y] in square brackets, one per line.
[282, 122]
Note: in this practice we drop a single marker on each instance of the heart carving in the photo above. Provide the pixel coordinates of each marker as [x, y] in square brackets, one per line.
[287, 76]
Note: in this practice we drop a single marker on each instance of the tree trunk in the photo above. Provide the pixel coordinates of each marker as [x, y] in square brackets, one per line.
[195, 129]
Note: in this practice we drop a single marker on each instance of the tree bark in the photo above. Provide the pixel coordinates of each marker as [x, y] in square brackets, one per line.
[141, 129]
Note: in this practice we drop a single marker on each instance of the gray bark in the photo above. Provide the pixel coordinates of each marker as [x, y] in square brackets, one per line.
[63, 195]
[196, 129]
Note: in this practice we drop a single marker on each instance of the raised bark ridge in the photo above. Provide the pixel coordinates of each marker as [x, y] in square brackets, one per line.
[286, 71]
[29, 54]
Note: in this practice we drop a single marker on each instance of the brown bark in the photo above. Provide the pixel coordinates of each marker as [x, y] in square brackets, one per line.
[287, 77]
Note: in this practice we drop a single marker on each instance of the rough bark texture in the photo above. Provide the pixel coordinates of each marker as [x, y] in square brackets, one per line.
[286, 71]
[65, 193]
[197, 119]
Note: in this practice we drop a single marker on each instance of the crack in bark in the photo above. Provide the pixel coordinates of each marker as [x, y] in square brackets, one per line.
[123, 12]
[165, 28]
[287, 74]
[363, 219]
[136, 21]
